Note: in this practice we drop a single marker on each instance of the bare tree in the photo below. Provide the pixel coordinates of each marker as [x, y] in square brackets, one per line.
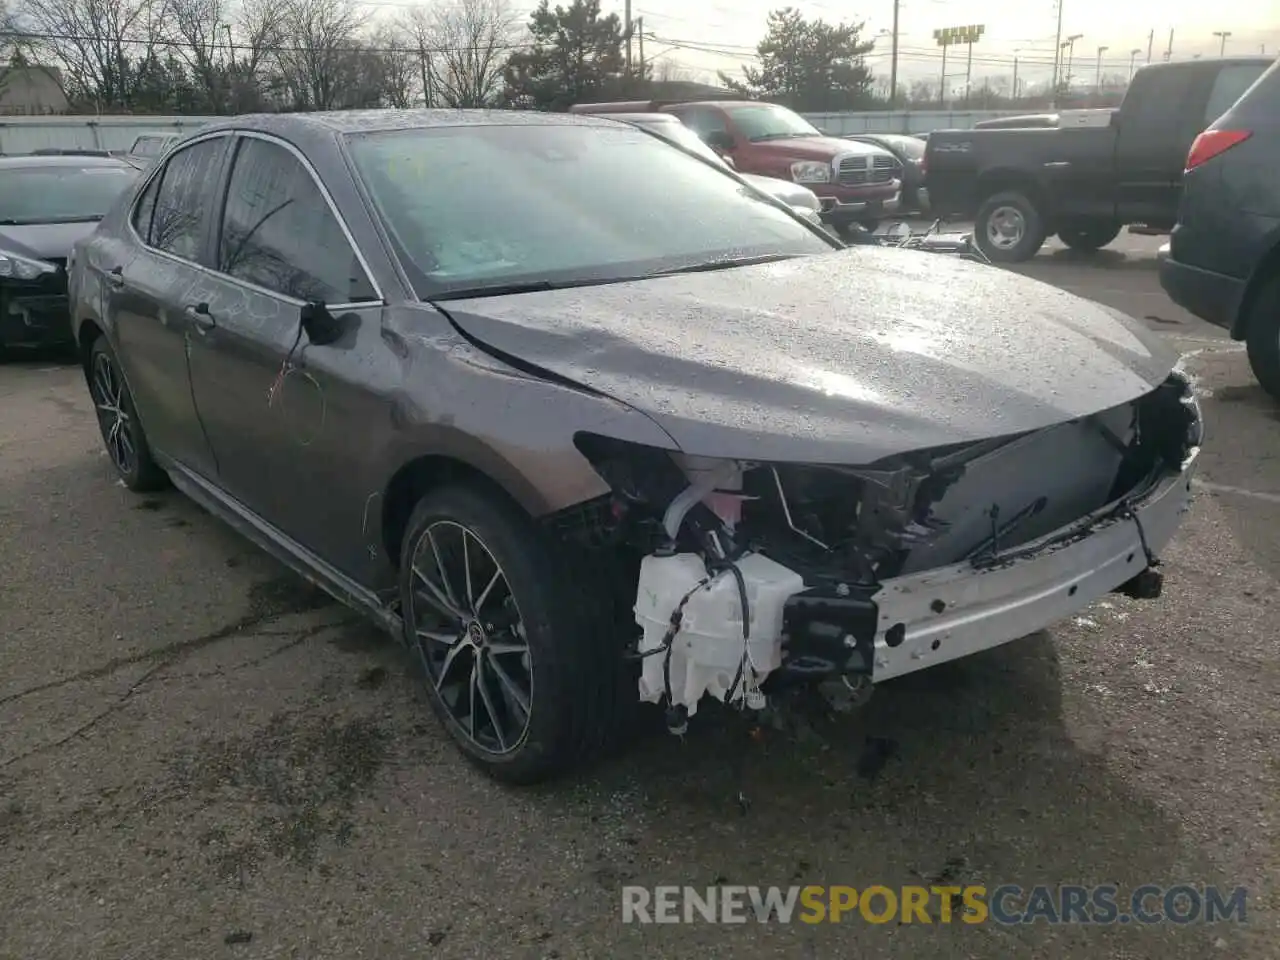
[98, 43]
[204, 47]
[259, 32]
[317, 58]
[399, 65]
[469, 42]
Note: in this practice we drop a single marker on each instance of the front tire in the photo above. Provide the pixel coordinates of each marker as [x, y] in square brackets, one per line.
[1009, 228]
[118, 422]
[1088, 238]
[1263, 338]
[518, 664]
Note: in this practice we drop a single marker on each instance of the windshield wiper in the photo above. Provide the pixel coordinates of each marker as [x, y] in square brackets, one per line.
[507, 289]
[541, 286]
[48, 221]
[725, 264]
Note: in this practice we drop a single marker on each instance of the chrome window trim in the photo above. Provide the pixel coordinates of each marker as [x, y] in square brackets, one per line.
[157, 171]
[333, 208]
[209, 271]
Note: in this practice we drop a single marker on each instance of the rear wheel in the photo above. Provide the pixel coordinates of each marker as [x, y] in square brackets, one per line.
[518, 663]
[118, 422]
[1009, 228]
[1263, 338]
[1088, 237]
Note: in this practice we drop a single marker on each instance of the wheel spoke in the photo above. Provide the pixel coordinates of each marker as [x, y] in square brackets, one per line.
[484, 594]
[444, 576]
[497, 649]
[435, 636]
[510, 689]
[449, 657]
[436, 597]
[480, 685]
[466, 570]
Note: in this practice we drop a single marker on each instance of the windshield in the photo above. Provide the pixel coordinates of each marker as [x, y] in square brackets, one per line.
[682, 136]
[60, 194]
[767, 121]
[490, 206]
[908, 146]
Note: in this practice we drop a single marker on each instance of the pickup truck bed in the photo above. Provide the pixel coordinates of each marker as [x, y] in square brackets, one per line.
[1084, 180]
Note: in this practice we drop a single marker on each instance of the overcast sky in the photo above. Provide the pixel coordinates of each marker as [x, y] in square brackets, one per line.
[733, 27]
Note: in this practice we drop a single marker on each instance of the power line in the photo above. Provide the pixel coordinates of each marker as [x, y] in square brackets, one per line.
[741, 53]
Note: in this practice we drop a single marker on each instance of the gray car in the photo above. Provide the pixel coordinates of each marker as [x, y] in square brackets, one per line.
[47, 203]
[581, 450]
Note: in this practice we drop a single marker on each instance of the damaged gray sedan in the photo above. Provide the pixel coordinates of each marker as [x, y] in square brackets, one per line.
[587, 423]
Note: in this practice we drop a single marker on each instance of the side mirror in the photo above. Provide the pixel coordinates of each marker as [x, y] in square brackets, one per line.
[718, 140]
[322, 326]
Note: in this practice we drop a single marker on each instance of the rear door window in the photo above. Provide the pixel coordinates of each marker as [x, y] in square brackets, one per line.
[1229, 86]
[180, 219]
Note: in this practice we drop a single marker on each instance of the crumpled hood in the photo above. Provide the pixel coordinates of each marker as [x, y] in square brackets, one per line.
[44, 240]
[844, 357]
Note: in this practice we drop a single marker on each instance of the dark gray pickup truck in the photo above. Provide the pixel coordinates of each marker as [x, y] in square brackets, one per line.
[1092, 174]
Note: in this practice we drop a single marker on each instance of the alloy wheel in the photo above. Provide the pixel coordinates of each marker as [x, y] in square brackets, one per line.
[470, 637]
[1006, 227]
[115, 418]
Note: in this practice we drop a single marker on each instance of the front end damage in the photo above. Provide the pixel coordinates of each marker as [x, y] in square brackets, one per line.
[752, 574]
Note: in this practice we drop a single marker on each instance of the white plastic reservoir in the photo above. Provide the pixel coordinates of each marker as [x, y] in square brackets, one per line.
[709, 647]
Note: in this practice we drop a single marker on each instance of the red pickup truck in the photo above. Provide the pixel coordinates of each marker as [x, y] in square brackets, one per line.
[856, 183]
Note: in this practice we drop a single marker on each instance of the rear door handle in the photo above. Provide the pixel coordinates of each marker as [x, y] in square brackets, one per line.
[199, 315]
[115, 277]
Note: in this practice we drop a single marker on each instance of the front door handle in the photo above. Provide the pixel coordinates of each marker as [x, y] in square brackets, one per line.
[115, 277]
[199, 315]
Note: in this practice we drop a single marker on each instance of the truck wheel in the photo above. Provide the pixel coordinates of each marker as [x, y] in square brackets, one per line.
[1263, 338]
[1009, 228]
[513, 644]
[1089, 237]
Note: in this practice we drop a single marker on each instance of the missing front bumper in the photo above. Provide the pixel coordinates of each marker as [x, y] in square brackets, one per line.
[947, 613]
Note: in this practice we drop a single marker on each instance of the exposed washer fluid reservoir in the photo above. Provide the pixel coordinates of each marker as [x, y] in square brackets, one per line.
[707, 650]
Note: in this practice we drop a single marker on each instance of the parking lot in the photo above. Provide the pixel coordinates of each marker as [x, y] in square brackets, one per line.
[201, 757]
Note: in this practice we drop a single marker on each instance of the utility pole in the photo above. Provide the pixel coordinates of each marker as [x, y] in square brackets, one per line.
[968, 75]
[893, 61]
[1222, 35]
[640, 41]
[1133, 55]
[1168, 53]
[1015, 75]
[1069, 45]
[1057, 55]
[626, 27]
[425, 65]
[1151, 39]
[1097, 79]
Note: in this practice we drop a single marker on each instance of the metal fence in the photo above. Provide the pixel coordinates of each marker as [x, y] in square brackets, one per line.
[25, 134]
[904, 121]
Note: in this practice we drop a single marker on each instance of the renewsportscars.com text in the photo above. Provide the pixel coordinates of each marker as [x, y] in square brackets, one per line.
[1006, 904]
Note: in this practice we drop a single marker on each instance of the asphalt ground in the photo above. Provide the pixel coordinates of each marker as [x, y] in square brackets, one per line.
[200, 757]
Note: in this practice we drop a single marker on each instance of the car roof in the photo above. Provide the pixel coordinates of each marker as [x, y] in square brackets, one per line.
[667, 118]
[367, 121]
[24, 161]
